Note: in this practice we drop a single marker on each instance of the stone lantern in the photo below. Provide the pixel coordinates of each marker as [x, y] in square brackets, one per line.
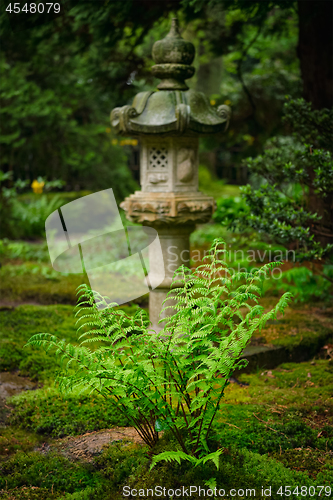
[169, 122]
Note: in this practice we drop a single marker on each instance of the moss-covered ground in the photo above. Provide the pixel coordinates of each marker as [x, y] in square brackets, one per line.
[275, 424]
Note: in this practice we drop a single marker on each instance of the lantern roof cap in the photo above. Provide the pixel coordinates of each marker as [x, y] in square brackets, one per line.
[174, 108]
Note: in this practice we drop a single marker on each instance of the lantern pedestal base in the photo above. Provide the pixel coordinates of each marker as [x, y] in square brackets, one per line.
[175, 244]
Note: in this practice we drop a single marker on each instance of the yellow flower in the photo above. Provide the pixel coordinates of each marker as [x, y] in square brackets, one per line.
[227, 102]
[37, 187]
[125, 142]
[108, 130]
[213, 102]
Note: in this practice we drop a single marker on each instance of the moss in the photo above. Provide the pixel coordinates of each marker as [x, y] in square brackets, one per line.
[45, 286]
[299, 327]
[289, 384]
[310, 461]
[13, 440]
[40, 283]
[30, 493]
[262, 431]
[120, 460]
[50, 471]
[19, 324]
[127, 465]
[280, 409]
[265, 438]
[48, 412]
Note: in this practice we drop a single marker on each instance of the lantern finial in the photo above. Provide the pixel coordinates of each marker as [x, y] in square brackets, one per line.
[173, 57]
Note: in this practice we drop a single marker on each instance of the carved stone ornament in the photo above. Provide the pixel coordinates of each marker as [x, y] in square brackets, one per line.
[120, 118]
[173, 57]
[157, 178]
[158, 209]
[185, 164]
[194, 206]
[151, 206]
[224, 112]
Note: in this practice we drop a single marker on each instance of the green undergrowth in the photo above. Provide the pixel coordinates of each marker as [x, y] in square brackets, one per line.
[308, 385]
[298, 327]
[51, 471]
[14, 439]
[249, 249]
[304, 284]
[39, 283]
[124, 464]
[259, 430]
[20, 323]
[238, 469]
[50, 413]
[27, 275]
[279, 409]
[286, 408]
[12, 251]
[30, 493]
[302, 327]
[211, 186]
[278, 430]
[311, 462]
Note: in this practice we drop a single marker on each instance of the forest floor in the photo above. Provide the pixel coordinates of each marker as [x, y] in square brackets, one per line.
[275, 424]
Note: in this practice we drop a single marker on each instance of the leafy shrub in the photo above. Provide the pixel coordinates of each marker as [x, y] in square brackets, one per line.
[23, 250]
[305, 285]
[29, 217]
[175, 379]
[24, 219]
[293, 203]
[230, 209]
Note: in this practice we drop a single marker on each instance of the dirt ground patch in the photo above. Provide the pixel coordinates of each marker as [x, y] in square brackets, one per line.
[12, 383]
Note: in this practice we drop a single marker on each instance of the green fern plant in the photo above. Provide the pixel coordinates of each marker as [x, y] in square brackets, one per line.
[172, 380]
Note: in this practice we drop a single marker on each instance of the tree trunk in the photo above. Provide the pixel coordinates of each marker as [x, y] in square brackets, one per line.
[315, 51]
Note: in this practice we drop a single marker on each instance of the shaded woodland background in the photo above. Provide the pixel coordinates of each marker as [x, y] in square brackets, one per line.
[271, 175]
[62, 74]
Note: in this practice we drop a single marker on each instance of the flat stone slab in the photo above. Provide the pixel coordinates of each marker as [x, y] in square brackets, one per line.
[89, 445]
[268, 357]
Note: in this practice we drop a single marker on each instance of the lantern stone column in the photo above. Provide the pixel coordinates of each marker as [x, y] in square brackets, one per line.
[169, 123]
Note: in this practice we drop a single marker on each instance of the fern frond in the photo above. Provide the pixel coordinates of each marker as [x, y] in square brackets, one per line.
[170, 456]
